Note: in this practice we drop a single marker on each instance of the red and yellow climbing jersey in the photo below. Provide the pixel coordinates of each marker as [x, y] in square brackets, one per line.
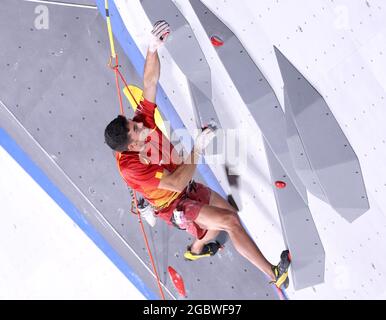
[143, 171]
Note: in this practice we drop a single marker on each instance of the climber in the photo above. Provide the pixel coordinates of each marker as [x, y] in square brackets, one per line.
[150, 165]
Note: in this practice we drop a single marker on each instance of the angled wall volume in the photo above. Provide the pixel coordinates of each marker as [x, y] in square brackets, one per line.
[253, 88]
[337, 176]
[299, 157]
[299, 231]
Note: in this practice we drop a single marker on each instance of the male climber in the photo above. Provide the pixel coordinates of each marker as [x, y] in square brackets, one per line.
[150, 165]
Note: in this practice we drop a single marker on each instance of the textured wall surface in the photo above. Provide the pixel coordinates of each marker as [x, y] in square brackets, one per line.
[56, 84]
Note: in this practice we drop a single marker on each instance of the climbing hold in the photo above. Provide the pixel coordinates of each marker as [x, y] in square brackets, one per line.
[216, 41]
[280, 184]
[177, 280]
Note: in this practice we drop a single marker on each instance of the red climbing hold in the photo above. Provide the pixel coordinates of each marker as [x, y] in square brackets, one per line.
[280, 184]
[216, 41]
[177, 280]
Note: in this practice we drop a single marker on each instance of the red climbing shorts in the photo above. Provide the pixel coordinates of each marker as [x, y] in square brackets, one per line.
[189, 202]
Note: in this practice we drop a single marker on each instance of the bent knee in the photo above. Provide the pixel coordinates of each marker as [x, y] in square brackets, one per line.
[231, 220]
[217, 201]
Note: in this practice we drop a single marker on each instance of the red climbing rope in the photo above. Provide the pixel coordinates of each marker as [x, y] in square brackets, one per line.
[116, 71]
[148, 248]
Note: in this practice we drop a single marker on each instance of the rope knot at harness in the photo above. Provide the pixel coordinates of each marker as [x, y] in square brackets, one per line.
[110, 64]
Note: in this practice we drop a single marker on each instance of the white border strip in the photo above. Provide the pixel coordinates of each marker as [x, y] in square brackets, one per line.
[65, 4]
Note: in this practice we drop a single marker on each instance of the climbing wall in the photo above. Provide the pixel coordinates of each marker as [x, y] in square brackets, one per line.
[339, 47]
[57, 96]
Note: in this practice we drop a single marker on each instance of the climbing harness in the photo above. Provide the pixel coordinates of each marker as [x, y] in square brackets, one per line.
[178, 218]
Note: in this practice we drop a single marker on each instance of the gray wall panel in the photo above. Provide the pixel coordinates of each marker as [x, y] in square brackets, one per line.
[330, 154]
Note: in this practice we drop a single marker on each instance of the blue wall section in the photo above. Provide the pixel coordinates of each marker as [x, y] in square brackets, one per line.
[138, 61]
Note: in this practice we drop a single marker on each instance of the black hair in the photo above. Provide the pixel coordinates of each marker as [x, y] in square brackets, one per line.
[116, 135]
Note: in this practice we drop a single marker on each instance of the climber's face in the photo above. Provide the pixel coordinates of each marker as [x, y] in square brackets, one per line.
[138, 134]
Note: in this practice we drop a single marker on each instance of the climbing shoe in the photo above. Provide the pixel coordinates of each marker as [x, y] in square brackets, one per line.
[210, 249]
[281, 270]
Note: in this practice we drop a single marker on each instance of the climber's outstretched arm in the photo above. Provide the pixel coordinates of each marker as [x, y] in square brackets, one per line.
[152, 68]
[151, 76]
